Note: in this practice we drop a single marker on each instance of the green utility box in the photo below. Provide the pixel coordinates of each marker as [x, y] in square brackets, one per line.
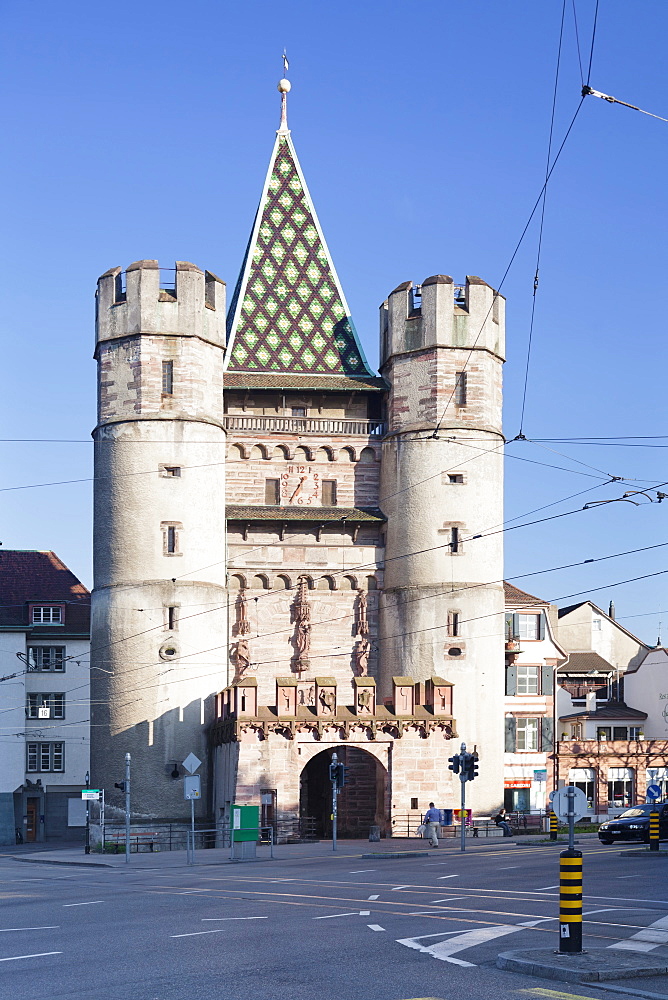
[245, 823]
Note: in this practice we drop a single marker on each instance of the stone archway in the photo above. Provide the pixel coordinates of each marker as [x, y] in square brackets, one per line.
[362, 802]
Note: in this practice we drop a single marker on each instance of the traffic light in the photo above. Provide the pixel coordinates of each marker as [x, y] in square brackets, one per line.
[120, 784]
[338, 774]
[333, 773]
[343, 775]
[471, 766]
[454, 764]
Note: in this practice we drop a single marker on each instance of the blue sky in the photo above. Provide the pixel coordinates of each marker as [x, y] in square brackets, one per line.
[145, 131]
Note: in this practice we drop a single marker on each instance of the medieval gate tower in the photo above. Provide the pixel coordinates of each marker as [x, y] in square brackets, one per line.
[293, 554]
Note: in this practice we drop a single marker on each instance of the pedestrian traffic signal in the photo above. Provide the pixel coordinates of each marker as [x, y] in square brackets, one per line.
[120, 784]
[344, 773]
[338, 774]
[454, 764]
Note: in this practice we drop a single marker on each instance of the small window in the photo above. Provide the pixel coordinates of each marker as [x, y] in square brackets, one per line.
[47, 616]
[414, 803]
[453, 623]
[171, 539]
[298, 411]
[603, 733]
[596, 624]
[528, 626]
[460, 389]
[527, 734]
[45, 757]
[170, 471]
[272, 492]
[168, 378]
[576, 730]
[328, 487]
[456, 478]
[635, 733]
[619, 732]
[171, 618]
[527, 679]
[455, 543]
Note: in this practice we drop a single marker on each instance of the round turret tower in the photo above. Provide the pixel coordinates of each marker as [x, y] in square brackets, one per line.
[442, 606]
[158, 650]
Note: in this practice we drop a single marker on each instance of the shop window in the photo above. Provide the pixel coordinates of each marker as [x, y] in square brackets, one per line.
[620, 788]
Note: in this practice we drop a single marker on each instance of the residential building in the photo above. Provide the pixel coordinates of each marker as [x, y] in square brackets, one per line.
[44, 697]
[301, 568]
[532, 656]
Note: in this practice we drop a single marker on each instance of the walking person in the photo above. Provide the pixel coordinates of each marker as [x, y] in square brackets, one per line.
[501, 819]
[432, 819]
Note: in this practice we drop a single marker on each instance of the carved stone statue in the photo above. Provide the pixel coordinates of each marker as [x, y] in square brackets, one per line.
[364, 700]
[327, 700]
[362, 653]
[241, 658]
[362, 620]
[302, 619]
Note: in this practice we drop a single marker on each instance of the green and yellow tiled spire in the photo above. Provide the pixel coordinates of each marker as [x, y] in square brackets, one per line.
[288, 313]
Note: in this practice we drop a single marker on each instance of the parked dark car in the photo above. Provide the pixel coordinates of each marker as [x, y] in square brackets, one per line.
[634, 824]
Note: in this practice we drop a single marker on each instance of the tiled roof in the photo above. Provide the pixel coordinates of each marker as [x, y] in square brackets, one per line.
[612, 711]
[288, 312]
[586, 662]
[516, 596]
[323, 383]
[28, 576]
[322, 515]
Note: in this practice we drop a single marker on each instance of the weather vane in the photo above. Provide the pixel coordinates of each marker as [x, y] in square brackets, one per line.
[284, 86]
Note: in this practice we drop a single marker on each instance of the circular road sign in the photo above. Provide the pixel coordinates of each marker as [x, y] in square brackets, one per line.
[560, 804]
[653, 792]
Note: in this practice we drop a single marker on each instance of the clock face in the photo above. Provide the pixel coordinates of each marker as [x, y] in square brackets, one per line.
[300, 485]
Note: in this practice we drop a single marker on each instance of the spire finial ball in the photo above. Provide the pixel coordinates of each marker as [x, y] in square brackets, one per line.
[284, 86]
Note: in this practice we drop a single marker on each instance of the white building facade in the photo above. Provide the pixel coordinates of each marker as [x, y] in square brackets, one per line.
[44, 698]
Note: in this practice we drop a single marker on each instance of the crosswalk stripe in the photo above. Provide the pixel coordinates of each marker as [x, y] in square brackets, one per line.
[647, 939]
[446, 950]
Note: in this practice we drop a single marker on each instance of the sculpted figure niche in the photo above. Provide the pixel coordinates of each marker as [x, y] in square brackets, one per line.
[363, 648]
[242, 659]
[301, 616]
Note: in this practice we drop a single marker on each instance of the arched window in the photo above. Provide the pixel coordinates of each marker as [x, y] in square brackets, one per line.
[282, 582]
[280, 454]
[236, 453]
[258, 452]
[324, 455]
[260, 582]
[347, 583]
[346, 455]
[368, 456]
[301, 456]
[237, 581]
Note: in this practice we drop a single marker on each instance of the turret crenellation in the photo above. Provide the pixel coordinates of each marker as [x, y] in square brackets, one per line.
[187, 302]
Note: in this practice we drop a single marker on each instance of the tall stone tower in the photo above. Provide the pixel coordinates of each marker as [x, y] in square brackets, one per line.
[442, 606]
[158, 604]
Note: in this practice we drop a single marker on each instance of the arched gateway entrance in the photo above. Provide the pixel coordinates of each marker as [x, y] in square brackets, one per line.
[363, 801]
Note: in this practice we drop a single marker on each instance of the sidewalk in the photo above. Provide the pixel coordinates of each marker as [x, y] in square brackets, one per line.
[74, 855]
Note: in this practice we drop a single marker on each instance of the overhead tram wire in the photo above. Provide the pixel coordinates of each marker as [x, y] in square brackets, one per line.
[577, 42]
[542, 219]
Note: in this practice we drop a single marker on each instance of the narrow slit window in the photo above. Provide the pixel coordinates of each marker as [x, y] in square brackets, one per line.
[167, 378]
[272, 492]
[456, 477]
[171, 471]
[454, 540]
[329, 492]
[171, 618]
[460, 389]
[453, 623]
[171, 539]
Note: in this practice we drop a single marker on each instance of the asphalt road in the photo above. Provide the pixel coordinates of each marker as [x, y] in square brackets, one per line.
[339, 928]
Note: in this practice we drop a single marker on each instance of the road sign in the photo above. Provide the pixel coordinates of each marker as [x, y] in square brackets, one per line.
[191, 787]
[653, 792]
[560, 803]
[92, 794]
[191, 763]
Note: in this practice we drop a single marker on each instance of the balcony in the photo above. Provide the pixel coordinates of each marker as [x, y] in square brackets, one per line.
[303, 425]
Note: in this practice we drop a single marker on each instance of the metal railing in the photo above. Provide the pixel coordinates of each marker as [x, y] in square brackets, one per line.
[304, 425]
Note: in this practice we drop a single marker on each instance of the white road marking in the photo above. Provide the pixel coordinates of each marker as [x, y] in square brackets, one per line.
[440, 877]
[395, 887]
[48, 927]
[365, 913]
[330, 916]
[90, 903]
[361, 871]
[373, 897]
[450, 899]
[375, 927]
[647, 939]
[532, 923]
[543, 887]
[445, 950]
[508, 867]
[216, 930]
[235, 918]
[40, 954]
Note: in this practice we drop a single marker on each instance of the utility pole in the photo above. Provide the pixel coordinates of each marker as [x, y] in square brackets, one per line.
[87, 847]
[127, 808]
[462, 778]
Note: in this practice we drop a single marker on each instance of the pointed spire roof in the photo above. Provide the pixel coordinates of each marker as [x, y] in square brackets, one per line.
[288, 313]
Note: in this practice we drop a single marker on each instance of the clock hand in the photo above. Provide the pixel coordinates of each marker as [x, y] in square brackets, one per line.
[301, 483]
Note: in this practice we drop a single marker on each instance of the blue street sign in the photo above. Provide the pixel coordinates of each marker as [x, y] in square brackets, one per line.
[653, 792]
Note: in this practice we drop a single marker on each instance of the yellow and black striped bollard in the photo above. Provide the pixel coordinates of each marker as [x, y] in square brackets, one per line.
[554, 823]
[570, 902]
[654, 831]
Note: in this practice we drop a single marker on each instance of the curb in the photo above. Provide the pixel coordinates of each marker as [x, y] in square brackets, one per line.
[643, 853]
[76, 864]
[396, 854]
[548, 965]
